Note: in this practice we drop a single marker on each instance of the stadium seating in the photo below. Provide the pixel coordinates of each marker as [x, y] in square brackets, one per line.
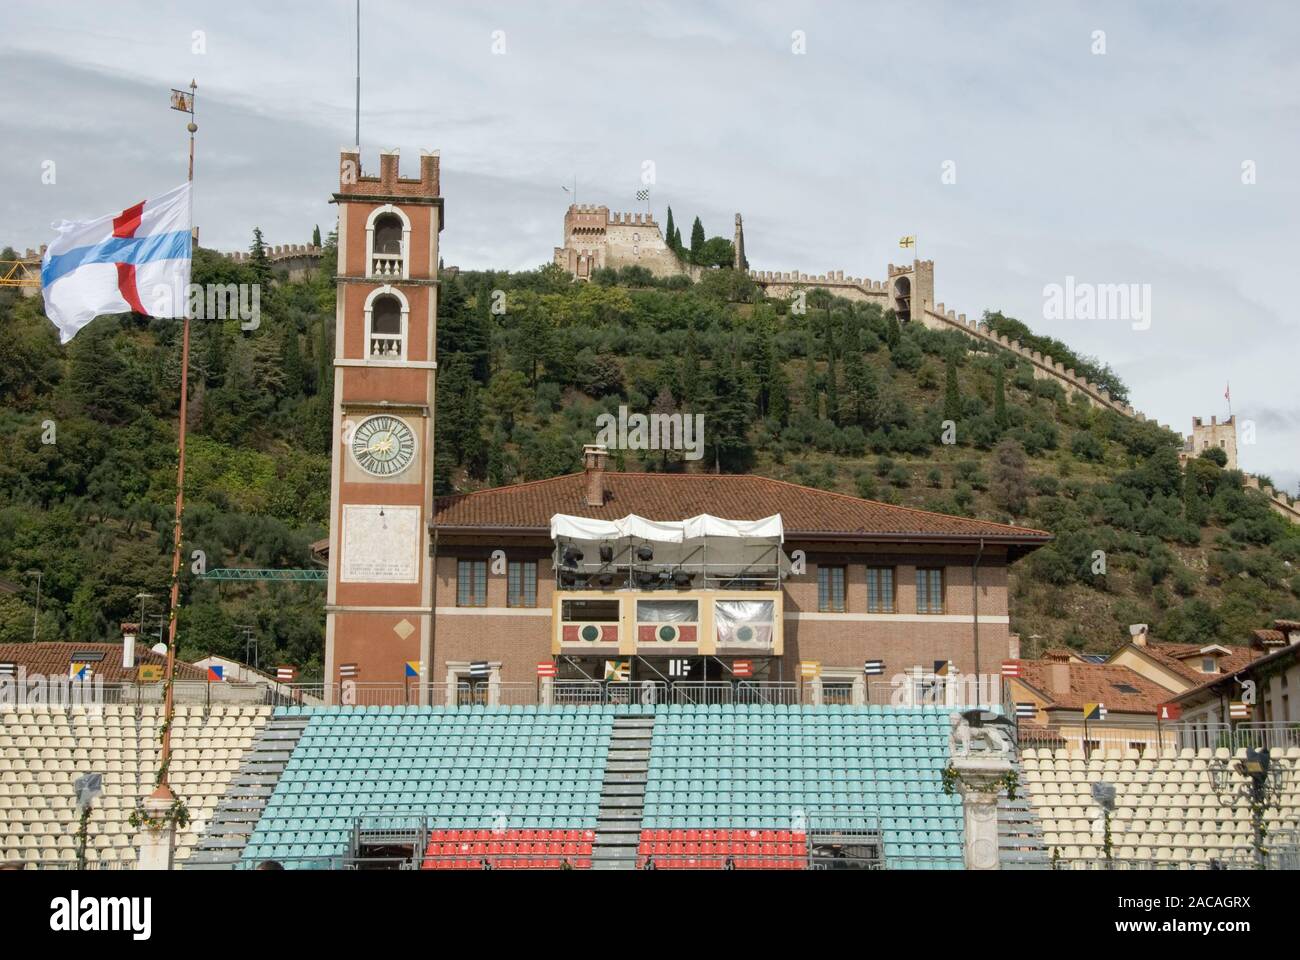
[723, 849]
[1166, 807]
[44, 749]
[508, 849]
[483, 769]
[738, 769]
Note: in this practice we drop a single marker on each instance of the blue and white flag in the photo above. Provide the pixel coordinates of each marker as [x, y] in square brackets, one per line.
[138, 259]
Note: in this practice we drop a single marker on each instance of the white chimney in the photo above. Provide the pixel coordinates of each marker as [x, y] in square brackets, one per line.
[1138, 631]
[129, 631]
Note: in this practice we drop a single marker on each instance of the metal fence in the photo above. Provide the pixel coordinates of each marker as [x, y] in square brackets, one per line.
[1153, 740]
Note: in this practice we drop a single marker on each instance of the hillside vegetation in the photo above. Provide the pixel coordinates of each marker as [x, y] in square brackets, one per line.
[838, 396]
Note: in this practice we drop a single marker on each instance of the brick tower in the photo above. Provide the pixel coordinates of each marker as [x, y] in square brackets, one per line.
[380, 580]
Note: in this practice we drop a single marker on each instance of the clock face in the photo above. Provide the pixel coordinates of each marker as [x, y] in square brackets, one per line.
[383, 446]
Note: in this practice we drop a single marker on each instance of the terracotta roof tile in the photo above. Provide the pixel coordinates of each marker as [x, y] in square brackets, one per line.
[656, 496]
[1098, 683]
[51, 659]
[1177, 657]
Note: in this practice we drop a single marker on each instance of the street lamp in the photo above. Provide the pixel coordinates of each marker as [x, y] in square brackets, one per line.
[1261, 786]
[36, 617]
[1103, 794]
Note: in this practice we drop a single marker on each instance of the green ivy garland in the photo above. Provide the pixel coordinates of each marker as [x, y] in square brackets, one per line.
[951, 779]
[176, 814]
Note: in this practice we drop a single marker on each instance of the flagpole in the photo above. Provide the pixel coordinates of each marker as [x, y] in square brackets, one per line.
[163, 789]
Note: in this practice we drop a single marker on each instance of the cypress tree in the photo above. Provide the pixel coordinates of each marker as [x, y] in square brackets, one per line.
[811, 389]
[1000, 400]
[261, 265]
[697, 240]
[315, 236]
[669, 230]
[951, 394]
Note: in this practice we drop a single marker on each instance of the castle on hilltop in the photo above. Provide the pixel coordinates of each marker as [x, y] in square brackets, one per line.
[596, 239]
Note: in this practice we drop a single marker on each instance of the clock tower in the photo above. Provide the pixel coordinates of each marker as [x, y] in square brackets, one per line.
[378, 604]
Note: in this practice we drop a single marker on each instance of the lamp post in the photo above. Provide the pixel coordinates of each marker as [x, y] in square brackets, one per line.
[36, 617]
[1103, 794]
[1261, 786]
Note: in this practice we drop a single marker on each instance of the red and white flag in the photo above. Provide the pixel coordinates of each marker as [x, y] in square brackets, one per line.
[137, 259]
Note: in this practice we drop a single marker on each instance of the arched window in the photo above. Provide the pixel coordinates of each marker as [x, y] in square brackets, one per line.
[903, 298]
[388, 234]
[387, 316]
[388, 243]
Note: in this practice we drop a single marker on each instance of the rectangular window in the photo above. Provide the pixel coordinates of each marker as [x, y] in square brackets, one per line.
[880, 589]
[929, 590]
[471, 583]
[521, 583]
[830, 589]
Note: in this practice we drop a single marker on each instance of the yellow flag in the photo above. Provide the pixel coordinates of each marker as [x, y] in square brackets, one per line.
[908, 241]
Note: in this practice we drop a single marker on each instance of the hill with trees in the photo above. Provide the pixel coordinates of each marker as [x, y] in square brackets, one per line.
[839, 396]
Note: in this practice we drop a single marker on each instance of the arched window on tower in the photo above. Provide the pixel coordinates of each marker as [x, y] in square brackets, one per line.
[386, 322]
[386, 260]
[903, 298]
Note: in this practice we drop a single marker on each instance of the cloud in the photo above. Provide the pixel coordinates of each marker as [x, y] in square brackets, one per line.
[1117, 168]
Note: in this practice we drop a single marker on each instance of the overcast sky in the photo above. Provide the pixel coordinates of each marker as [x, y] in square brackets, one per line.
[1117, 167]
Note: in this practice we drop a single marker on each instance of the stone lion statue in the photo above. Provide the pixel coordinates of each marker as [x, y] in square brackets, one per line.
[972, 733]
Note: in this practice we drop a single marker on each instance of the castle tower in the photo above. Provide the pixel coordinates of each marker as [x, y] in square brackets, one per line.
[1215, 434]
[911, 289]
[740, 262]
[380, 591]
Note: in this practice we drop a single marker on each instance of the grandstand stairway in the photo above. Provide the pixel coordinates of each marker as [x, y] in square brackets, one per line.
[240, 808]
[622, 795]
[1020, 833]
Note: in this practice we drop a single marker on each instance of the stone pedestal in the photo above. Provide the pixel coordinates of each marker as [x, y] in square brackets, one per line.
[980, 784]
[157, 844]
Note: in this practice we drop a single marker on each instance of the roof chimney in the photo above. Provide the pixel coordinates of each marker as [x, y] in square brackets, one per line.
[129, 632]
[1058, 671]
[1138, 633]
[593, 465]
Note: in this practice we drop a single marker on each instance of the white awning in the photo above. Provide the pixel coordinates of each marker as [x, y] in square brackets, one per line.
[565, 526]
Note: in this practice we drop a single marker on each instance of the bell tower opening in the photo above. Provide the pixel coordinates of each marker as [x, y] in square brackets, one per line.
[902, 299]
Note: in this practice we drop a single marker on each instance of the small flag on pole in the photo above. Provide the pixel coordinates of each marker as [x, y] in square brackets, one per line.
[149, 673]
[873, 668]
[1094, 711]
[1026, 711]
[479, 669]
[1012, 668]
[412, 668]
[182, 101]
[908, 241]
[79, 671]
[809, 669]
[216, 673]
[8, 669]
[286, 674]
[643, 194]
[618, 671]
[546, 669]
[1238, 710]
[942, 667]
[347, 671]
[1227, 391]
[742, 668]
[1169, 711]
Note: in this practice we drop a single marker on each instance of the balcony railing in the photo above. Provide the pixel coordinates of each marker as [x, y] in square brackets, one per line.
[385, 346]
[387, 266]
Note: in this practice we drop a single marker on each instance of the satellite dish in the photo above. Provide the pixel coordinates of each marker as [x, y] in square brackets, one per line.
[160, 649]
